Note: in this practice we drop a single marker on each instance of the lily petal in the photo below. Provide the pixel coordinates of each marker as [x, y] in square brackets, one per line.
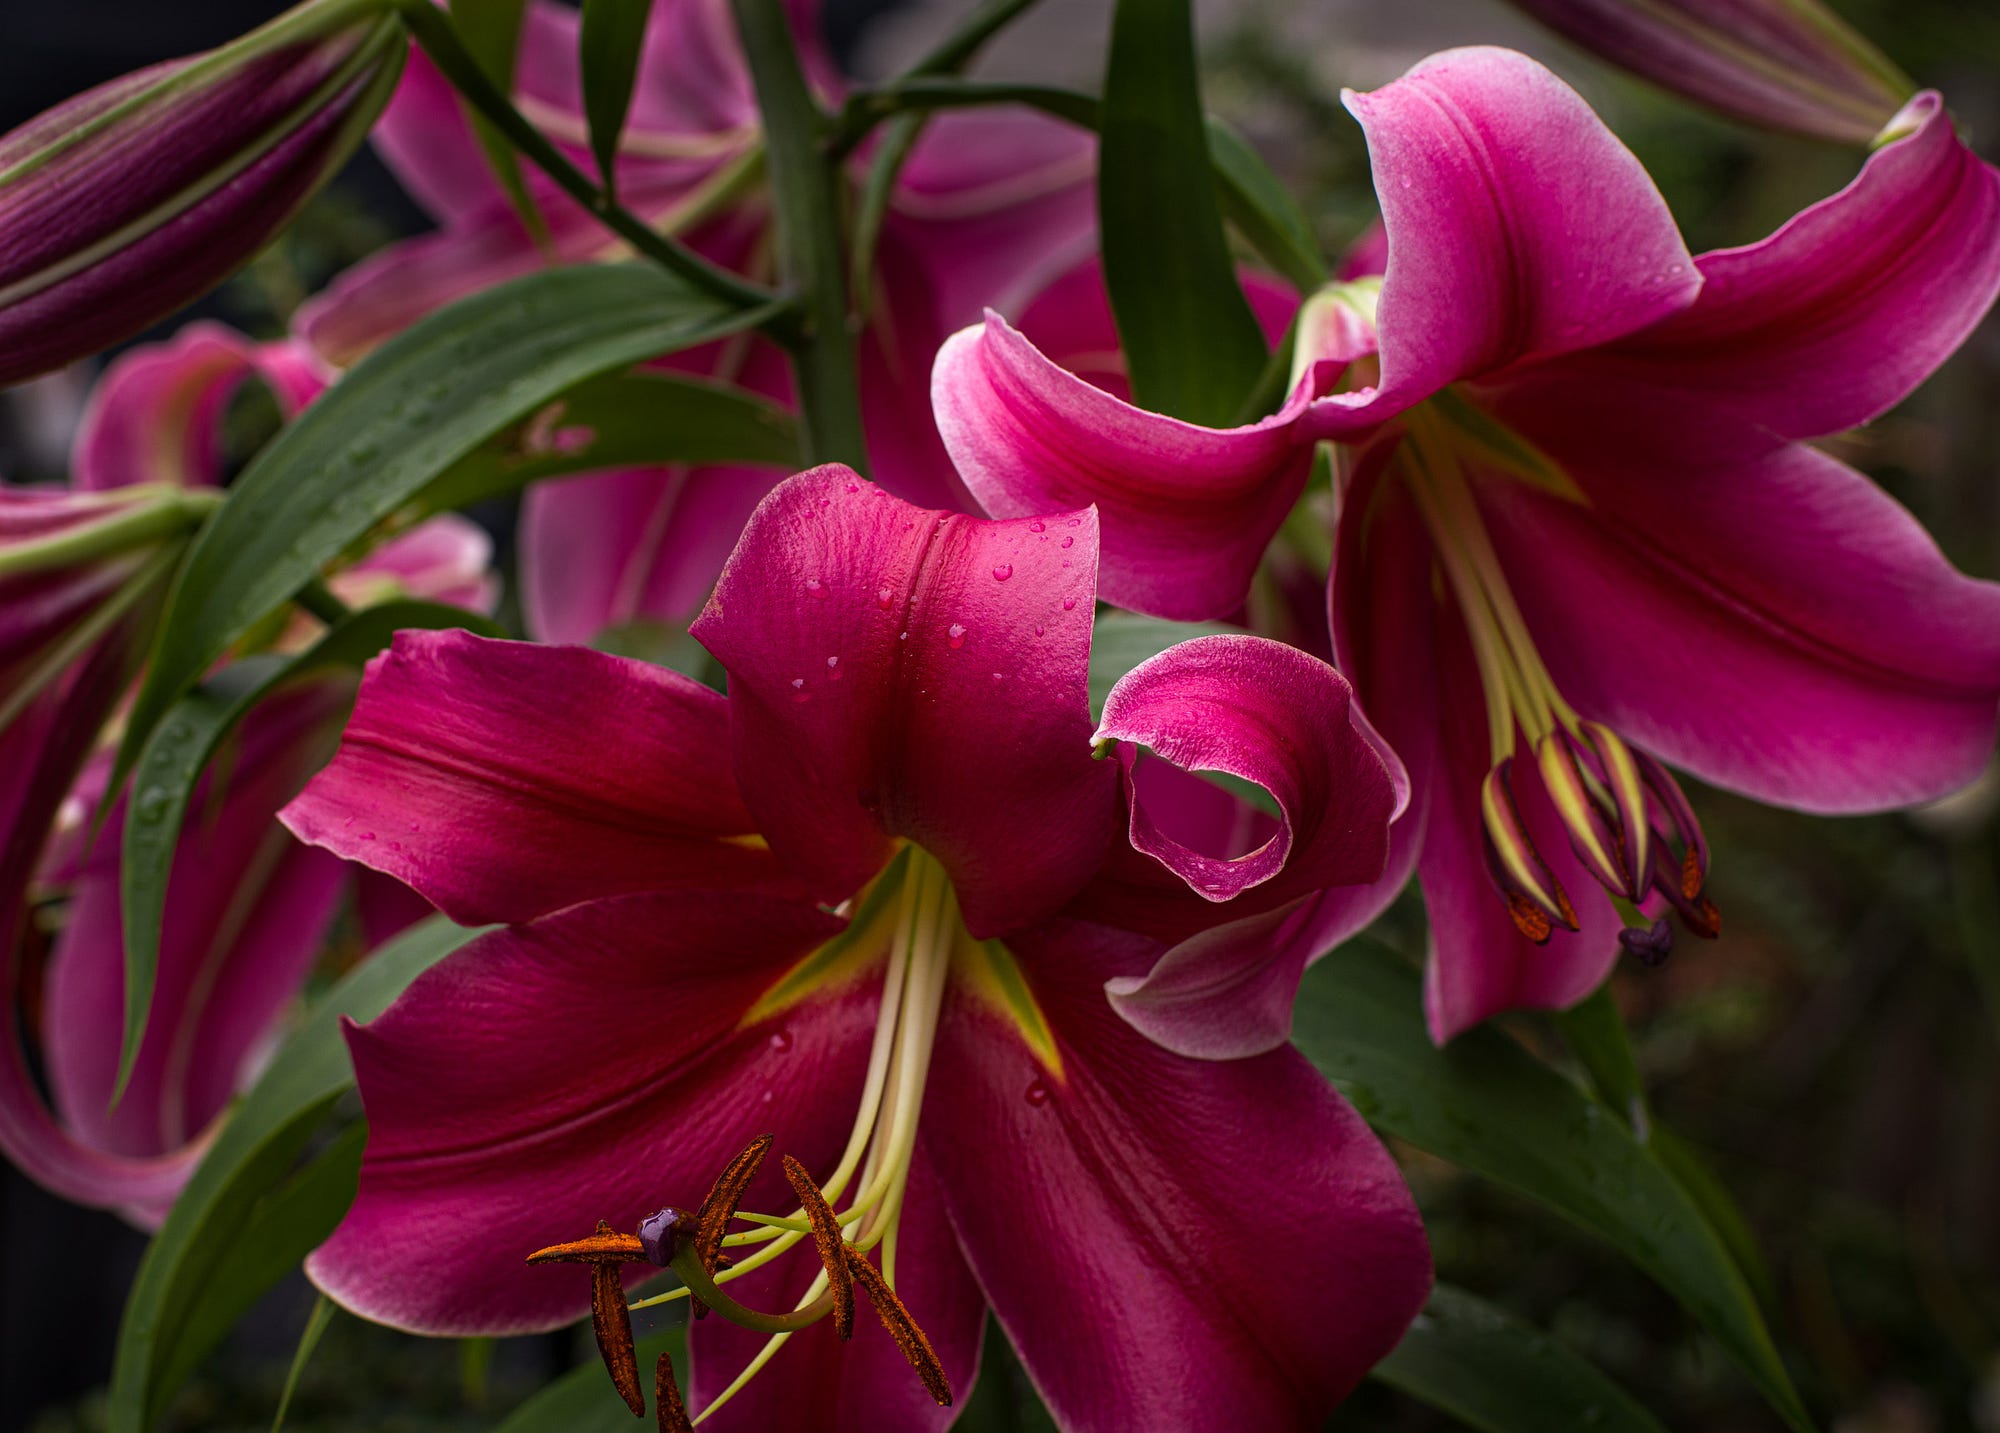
[505, 780]
[1518, 226]
[896, 671]
[1188, 510]
[1855, 301]
[1235, 1208]
[1272, 715]
[1777, 625]
[595, 1065]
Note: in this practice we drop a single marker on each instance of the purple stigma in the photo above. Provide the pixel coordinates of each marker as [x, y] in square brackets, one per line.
[1652, 945]
[661, 1234]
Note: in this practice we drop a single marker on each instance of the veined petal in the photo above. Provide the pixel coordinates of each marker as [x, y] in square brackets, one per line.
[1187, 510]
[505, 780]
[895, 671]
[595, 1065]
[1518, 226]
[247, 910]
[817, 1383]
[1777, 625]
[1238, 1209]
[156, 414]
[1273, 715]
[1836, 317]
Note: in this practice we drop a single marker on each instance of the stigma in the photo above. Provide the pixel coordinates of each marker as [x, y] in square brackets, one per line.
[1626, 820]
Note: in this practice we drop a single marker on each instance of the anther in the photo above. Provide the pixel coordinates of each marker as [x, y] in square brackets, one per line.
[832, 1247]
[712, 1221]
[1535, 899]
[1592, 838]
[902, 1328]
[667, 1406]
[612, 1323]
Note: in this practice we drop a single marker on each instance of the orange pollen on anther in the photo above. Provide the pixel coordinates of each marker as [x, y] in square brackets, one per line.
[902, 1328]
[832, 1247]
[612, 1323]
[667, 1405]
[712, 1221]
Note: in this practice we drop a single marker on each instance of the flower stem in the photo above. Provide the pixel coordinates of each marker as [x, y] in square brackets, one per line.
[704, 1288]
[805, 193]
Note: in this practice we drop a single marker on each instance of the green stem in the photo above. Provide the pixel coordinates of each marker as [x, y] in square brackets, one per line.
[805, 191]
[704, 1288]
[320, 600]
[434, 32]
[174, 511]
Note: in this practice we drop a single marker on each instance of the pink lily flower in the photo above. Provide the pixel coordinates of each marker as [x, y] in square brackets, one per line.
[849, 905]
[1581, 508]
[249, 908]
[989, 205]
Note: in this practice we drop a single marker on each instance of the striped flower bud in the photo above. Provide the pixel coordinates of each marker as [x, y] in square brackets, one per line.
[121, 205]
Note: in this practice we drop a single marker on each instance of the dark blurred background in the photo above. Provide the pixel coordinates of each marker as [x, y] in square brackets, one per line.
[1836, 1054]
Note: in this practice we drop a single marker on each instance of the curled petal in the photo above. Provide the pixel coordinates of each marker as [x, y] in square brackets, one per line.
[1270, 714]
[505, 780]
[1836, 317]
[895, 671]
[1187, 510]
[1518, 226]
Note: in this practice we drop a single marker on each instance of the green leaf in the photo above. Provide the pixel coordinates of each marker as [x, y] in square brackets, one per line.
[624, 420]
[247, 1215]
[1477, 1362]
[398, 419]
[181, 748]
[1122, 640]
[491, 30]
[1595, 1033]
[1263, 210]
[608, 53]
[1485, 1104]
[1192, 346]
[316, 1322]
[583, 1400]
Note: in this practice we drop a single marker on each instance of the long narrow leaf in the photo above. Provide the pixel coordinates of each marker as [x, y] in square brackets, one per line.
[491, 30]
[181, 748]
[215, 1251]
[608, 53]
[401, 417]
[1485, 1104]
[1192, 346]
[1477, 1362]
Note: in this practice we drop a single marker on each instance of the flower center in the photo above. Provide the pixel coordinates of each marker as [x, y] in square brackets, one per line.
[1627, 820]
[866, 1189]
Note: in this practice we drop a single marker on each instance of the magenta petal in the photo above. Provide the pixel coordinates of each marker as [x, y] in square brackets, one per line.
[1228, 992]
[1273, 715]
[505, 780]
[1187, 510]
[895, 671]
[1837, 316]
[247, 910]
[1518, 226]
[1229, 1245]
[1776, 625]
[818, 1384]
[595, 1065]
[445, 559]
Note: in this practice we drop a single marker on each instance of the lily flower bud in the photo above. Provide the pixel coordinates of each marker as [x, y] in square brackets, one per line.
[1786, 64]
[121, 205]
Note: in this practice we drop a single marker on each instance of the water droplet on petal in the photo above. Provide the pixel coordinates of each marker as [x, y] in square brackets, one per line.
[1037, 525]
[884, 596]
[815, 588]
[956, 632]
[1076, 522]
[854, 487]
[999, 676]
[1069, 604]
[1038, 1093]
[799, 692]
[1069, 542]
[1004, 571]
[1038, 629]
[781, 1041]
[833, 669]
[902, 636]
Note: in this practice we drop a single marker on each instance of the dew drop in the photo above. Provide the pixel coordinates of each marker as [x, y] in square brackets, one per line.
[815, 588]
[902, 636]
[1069, 542]
[884, 595]
[1037, 525]
[956, 633]
[1038, 629]
[1076, 522]
[854, 487]
[799, 692]
[999, 676]
[1069, 604]
[1038, 1093]
[782, 1041]
[833, 669]
[1004, 571]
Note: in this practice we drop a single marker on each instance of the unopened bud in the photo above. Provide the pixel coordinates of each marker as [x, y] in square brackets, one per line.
[1786, 64]
[129, 201]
